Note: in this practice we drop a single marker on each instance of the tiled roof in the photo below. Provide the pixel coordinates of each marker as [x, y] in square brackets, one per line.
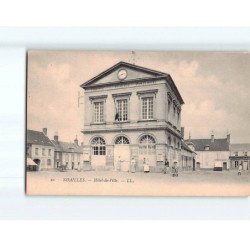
[38, 138]
[240, 147]
[216, 145]
[67, 147]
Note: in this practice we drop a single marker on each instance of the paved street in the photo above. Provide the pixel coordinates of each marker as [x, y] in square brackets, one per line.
[119, 183]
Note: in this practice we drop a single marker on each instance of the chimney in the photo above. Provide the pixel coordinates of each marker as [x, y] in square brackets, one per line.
[56, 137]
[45, 130]
[182, 132]
[228, 138]
[76, 141]
[212, 136]
[189, 138]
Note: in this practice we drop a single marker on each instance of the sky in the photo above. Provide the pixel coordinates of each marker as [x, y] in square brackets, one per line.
[215, 87]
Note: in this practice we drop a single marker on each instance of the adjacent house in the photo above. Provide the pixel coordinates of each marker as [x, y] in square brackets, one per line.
[187, 154]
[187, 157]
[131, 112]
[67, 154]
[212, 153]
[240, 154]
[40, 150]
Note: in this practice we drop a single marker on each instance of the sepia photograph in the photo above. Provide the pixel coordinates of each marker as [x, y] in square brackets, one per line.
[137, 123]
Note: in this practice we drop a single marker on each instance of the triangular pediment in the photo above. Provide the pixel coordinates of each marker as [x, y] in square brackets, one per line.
[122, 72]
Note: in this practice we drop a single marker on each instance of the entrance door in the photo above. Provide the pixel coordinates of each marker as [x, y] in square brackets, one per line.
[98, 162]
[37, 168]
[98, 156]
[224, 165]
[124, 152]
[245, 167]
[198, 165]
[236, 164]
[147, 150]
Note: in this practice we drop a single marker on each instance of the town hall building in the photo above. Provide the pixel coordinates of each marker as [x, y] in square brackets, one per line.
[131, 112]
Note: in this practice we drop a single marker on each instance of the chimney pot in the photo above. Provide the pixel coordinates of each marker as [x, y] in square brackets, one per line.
[45, 130]
[56, 137]
[76, 141]
[212, 137]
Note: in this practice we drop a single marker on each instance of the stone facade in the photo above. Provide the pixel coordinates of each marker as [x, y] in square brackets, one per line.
[68, 154]
[40, 149]
[187, 157]
[212, 153]
[131, 112]
[240, 154]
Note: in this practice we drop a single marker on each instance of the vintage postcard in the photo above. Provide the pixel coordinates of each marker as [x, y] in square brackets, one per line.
[137, 123]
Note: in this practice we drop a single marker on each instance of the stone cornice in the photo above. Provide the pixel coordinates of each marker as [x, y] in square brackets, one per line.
[138, 81]
[147, 128]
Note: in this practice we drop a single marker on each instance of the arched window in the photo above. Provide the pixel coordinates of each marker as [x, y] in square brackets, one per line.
[147, 145]
[98, 146]
[122, 140]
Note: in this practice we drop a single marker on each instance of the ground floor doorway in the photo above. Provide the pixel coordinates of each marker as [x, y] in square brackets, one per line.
[122, 157]
[224, 165]
[147, 151]
[245, 165]
[98, 153]
[38, 162]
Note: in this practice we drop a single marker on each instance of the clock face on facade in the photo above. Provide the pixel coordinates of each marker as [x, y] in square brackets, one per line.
[122, 74]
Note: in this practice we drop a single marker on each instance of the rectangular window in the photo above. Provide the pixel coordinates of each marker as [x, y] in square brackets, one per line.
[102, 150]
[48, 162]
[245, 153]
[49, 152]
[99, 150]
[98, 112]
[147, 108]
[36, 151]
[43, 151]
[95, 150]
[236, 153]
[122, 110]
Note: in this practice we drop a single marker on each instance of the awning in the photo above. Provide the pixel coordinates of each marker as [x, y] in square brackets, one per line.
[30, 162]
